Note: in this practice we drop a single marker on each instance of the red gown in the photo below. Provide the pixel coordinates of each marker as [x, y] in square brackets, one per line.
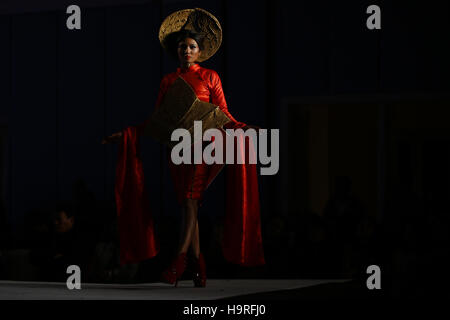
[242, 243]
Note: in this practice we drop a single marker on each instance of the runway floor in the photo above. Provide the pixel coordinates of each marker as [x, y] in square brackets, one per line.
[216, 289]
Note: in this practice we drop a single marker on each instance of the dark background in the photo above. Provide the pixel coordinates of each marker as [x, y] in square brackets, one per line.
[359, 106]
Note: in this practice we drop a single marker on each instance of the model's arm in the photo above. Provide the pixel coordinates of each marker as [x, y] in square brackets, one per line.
[218, 98]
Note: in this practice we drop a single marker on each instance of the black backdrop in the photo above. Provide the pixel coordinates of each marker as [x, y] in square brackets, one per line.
[62, 90]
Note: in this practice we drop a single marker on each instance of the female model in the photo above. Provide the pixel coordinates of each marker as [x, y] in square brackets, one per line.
[191, 180]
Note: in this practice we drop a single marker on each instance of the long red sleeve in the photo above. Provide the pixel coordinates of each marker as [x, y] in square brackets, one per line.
[135, 222]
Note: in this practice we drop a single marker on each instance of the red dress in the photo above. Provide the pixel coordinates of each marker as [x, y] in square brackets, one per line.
[242, 243]
[191, 180]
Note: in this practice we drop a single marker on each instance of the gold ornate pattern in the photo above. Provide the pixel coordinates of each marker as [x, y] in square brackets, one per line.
[179, 108]
[198, 20]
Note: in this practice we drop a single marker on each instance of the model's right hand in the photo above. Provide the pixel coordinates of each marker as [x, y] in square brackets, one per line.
[115, 137]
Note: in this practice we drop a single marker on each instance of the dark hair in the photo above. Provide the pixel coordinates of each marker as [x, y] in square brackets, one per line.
[172, 40]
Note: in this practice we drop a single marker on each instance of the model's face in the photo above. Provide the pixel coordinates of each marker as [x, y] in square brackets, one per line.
[63, 223]
[188, 51]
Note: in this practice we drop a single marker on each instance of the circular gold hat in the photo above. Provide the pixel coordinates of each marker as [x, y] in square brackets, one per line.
[197, 20]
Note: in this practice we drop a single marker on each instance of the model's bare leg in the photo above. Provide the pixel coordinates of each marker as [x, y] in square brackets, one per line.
[182, 228]
[190, 219]
[195, 243]
[199, 266]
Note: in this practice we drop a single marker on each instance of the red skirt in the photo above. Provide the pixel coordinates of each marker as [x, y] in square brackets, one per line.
[191, 180]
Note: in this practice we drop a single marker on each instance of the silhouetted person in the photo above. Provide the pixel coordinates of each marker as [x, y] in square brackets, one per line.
[343, 214]
[316, 254]
[67, 244]
[105, 265]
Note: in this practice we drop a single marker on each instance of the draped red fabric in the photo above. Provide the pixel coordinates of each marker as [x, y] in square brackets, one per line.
[135, 223]
[242, 241]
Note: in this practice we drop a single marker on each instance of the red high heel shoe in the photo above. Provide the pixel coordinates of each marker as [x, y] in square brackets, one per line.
[199, 271]
[173, 273]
